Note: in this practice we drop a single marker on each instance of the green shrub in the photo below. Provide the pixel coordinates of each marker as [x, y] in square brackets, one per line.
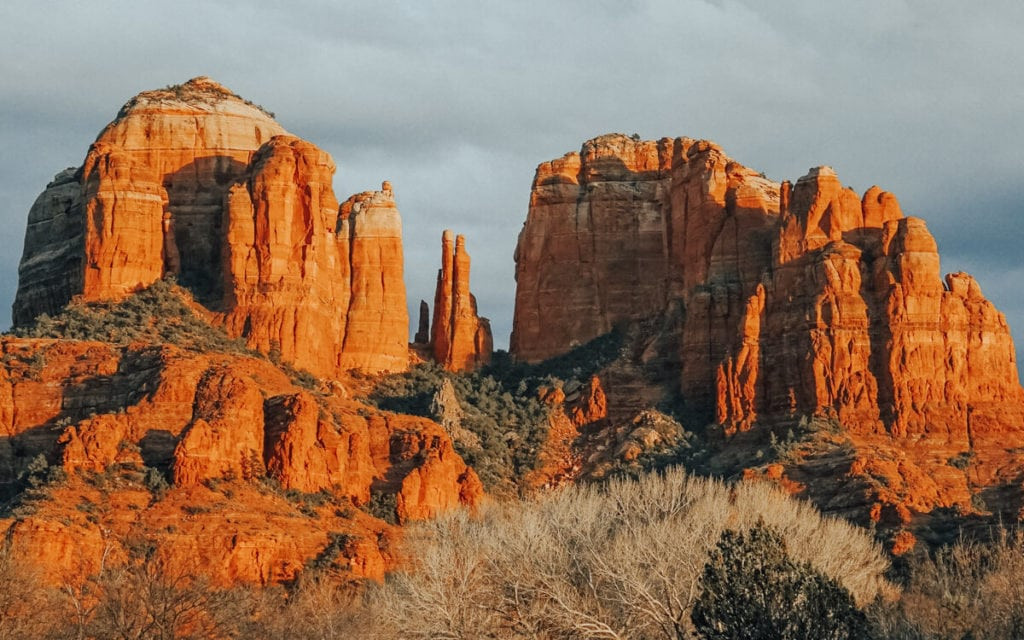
[158, 314]
[961, 460]
[300, 377]
[752, 590]
[33, 484]
[336, 545]
[383, 506]
[155, 481]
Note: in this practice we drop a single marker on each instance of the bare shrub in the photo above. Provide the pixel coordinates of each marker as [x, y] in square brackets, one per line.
[26, 605]
[623, 560]
[147, 599]
[316, 607]
[968, 590]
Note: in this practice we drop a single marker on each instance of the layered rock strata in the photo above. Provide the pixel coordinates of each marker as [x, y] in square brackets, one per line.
[460, 339]
[205, 420]
[194, 182]
[784, 299]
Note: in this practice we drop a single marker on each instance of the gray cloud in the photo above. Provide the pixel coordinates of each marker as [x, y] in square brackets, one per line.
[456, 102]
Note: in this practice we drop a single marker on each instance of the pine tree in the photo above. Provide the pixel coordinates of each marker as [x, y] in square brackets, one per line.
[752, 590]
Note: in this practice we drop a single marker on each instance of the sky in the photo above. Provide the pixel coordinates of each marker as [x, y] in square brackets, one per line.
[456, 102]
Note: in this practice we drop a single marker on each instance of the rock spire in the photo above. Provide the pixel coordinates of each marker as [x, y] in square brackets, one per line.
[461, 339]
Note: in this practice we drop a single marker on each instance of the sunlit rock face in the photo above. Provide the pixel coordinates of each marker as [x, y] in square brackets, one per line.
[784, 299]
[194, 182]
[461, 339]
[200, 420]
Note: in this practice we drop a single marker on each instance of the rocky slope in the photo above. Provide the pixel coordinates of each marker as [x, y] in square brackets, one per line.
[211, 457]
[193, 181]
[761, 302]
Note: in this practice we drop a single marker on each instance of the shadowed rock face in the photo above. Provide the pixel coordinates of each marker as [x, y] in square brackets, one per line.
[461, 339]
[789, 299]
[194, 182]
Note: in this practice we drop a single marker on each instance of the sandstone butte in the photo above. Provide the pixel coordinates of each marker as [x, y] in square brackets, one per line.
[217, 422]
[194, 182]
[763, 301]
[460, 340]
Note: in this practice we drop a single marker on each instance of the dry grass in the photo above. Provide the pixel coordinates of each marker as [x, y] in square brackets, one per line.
[968, 590]
[619, 561]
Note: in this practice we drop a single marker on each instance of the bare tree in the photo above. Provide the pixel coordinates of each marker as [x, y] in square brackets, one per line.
[968, 590]
[26, 604]
[616, 562]
[148, 599]
[317, 606]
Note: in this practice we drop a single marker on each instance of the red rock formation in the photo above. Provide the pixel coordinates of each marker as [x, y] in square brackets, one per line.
[193, 181]
[377, 332]
[226, 431]
[590, 254]
[461, 339]
[207, 419]
[423, 327]
[426, 490]
[414, 459]
[574, 409]
[97, 443]
[796, 300]
[312, 451]
[98, 231]
[771, 302]
[124, 208]
[322, 286]
[859, 322]
[64, 553]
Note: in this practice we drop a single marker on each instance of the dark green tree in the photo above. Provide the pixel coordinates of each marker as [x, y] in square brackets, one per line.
[752, 590]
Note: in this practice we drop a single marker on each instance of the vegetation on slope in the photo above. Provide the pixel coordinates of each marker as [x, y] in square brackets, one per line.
[508, 423]
[500, 406]
[162, 313]
[159, 313]
[666, 556]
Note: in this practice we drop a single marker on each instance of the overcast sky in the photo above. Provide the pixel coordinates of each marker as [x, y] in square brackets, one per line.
[456, 102]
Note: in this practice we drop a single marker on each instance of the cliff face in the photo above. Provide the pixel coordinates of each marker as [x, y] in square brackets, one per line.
[210, 420]
[591, 253]
[193, 181]
[377, 336]
[322, 284]
[780, 300]
[98, 231]
[461, 340]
